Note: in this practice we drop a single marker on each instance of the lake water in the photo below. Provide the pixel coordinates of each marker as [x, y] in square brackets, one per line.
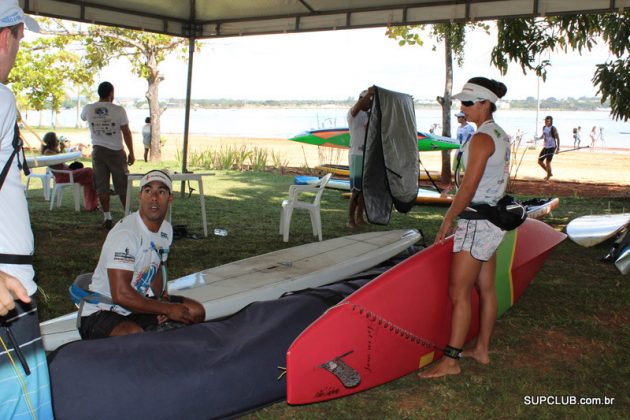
[285, 123]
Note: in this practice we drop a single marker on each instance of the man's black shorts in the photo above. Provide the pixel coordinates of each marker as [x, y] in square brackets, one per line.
[547, 153]
[101, 324]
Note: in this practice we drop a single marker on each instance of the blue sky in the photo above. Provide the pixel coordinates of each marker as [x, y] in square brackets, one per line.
[339, 64]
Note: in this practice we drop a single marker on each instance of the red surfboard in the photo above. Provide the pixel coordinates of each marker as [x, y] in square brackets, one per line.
[395, 324]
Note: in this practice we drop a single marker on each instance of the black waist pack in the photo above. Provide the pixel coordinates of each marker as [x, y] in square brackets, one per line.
[508, 214]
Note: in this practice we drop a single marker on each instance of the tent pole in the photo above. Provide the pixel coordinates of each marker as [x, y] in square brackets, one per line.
[191, 52]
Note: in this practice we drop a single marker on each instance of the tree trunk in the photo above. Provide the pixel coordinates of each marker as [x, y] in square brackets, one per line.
[154, 78]
[78, 124]
[446, 103]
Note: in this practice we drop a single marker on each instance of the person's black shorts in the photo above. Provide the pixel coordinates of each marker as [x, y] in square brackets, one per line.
[101, 324]
[547, 153]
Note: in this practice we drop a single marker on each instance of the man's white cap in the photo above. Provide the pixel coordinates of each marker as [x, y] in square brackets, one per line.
[459, 114]
[473, 92]
[12, 14]
[156, 175]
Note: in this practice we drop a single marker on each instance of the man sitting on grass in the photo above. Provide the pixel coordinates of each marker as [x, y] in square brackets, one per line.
[130, 268]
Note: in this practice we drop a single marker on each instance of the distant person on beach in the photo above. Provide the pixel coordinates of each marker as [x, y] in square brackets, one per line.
[464, 132]
[80, 174]
[600, 136]
[358, 117]
[551, 146]
[487, 159]
[130, 271]
[146, 137]
[593, 136]
[577, 137]
[109, 126]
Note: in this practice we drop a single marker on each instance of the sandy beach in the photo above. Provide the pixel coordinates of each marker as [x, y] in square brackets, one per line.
[598, 166]
[585, 165]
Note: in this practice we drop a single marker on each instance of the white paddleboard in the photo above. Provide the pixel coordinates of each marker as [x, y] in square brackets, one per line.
[49, 160]
[592, 230]
[228, 288]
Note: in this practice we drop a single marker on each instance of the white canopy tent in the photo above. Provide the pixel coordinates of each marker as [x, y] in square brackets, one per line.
[204, 19]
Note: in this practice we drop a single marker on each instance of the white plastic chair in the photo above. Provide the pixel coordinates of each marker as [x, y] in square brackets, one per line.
[57, 191]
[44, 178]
[311, 206]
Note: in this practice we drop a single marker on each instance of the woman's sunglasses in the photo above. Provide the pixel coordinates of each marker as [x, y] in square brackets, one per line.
[469, 103]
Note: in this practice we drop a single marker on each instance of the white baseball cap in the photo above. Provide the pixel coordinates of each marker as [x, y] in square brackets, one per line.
[12, 14]
[459, 114]
[473, 92]
[157, 175]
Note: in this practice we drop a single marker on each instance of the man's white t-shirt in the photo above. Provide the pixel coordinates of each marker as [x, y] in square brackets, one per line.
[146, 135]
[358, 126]
[130, 246]
[105, 120]
[464, 133]
[16, 235]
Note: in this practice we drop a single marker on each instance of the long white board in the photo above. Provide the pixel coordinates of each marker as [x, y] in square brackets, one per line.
[592, 230]
[49, 160]
[226, 289]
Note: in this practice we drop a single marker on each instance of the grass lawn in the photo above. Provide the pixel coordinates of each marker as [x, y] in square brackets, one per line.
[567, 337]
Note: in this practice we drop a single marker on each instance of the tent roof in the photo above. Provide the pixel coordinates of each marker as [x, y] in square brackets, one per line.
[225, 18]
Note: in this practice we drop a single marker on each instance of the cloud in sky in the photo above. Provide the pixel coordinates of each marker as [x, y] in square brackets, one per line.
[339, 64]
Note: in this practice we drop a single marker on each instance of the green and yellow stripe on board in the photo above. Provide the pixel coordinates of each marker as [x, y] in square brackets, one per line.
[505, 259]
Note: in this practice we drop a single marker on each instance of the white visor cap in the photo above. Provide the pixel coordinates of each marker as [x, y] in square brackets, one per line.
[473, 92]
[158, 176]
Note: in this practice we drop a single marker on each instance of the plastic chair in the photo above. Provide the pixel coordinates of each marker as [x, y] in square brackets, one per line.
[57, 191]
[80, 293]
[44, 178]
[311, 206]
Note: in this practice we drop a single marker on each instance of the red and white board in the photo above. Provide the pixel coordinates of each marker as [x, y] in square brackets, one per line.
[387, 328]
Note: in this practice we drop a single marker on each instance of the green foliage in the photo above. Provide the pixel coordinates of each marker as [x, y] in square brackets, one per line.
[525, 41]
[44, 69]
[258, 159]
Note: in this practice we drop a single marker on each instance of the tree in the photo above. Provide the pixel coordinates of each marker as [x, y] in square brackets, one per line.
[453, 35]
[525, 40]
[42, 71]
[145, 51]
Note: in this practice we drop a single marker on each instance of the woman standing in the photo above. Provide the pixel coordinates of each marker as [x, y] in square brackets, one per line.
[487, 159]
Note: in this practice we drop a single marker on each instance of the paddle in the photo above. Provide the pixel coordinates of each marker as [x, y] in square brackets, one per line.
[563, 151]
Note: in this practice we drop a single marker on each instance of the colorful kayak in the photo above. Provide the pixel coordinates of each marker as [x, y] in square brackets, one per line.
[340, 137]
[592, 230]
[400, 321]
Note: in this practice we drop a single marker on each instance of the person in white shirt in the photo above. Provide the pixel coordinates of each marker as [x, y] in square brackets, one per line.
[25, 385]
[358, 117]
[131, 271]
[146, 137]
[109, 126]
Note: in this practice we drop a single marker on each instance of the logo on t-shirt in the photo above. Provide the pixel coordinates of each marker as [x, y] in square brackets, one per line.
[124, 257]
[101, 111]
[163, 235]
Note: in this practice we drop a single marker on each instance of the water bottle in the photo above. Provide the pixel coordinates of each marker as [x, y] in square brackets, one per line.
[220, 232]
